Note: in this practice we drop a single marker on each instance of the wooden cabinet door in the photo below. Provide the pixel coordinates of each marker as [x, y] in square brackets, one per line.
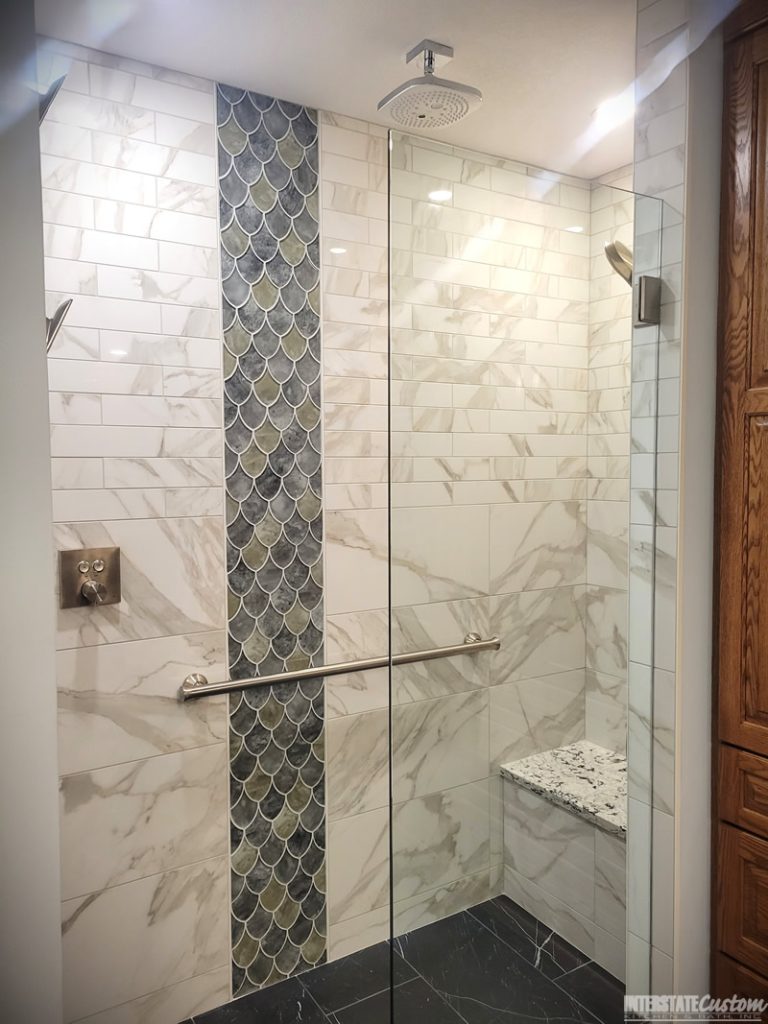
[742, 654]
[743, 912]
[732, 979]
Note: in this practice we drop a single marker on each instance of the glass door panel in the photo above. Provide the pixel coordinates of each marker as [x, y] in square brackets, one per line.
[512, 420]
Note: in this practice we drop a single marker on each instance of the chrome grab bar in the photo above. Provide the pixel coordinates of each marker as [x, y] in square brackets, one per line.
[196, 685]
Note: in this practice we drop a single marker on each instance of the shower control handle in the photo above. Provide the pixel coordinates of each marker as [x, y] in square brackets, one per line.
[89, 577]
[93, 591]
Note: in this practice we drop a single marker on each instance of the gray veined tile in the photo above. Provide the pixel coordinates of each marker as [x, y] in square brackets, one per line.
[167, 566]
[358, 865]
[172, 926]
[439, 554]
[142, 817]
[610, 884]
[606, 629]
[606, 710]
[537, 546]
[440, 838]
[177, 1002]
[531, 715]
[118, 702]
[358, 763]
[439, 744]
[550, 847]
[421, 627]
[542, 632]
[443, 901]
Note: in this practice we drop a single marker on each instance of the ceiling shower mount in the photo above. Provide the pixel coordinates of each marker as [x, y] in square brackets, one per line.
[429, 101]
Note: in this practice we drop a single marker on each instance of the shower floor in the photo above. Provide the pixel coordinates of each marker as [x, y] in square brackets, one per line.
[491, 964]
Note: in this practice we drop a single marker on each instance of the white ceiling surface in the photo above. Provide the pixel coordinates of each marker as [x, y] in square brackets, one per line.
[543, 65]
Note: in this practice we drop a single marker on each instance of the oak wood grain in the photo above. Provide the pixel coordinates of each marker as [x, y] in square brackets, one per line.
[740, 657]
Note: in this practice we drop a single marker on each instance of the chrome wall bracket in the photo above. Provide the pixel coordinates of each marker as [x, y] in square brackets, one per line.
[646, 301]
[437, 55]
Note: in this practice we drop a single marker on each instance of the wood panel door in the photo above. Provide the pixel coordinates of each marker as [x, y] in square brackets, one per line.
[740, 825]
[742, 655]
[743, 914]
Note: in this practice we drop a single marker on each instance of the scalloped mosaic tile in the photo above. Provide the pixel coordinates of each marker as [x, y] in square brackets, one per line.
[270, 261]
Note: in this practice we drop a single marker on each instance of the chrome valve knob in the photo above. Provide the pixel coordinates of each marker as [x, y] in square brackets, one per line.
[93, 591]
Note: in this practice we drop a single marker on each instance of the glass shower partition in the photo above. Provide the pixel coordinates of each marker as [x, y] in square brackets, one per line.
[513, 422]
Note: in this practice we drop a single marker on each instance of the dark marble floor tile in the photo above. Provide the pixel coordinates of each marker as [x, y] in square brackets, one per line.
[355, 977]
[482, 979]
[597, 990]
[528, 937]
[413, 1003]
[288, 1002]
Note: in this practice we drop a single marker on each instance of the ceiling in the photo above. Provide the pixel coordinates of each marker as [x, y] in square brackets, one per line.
[543, 65]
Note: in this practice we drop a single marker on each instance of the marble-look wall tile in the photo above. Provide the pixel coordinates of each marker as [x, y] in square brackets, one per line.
[541, 632]
[356, 692]
[130, 820]
[130, 234]
[424, 626]
[611, 953]
[611, 885]
[349, 636]
[568, 873]
[550, 847]
[437, 744]
[358, 763]
[443, 901]
[358, 865]
[171, 570]
[118, 702]
[439, 557]
[509, 389]
[440, 838]
[356, 933]
[606, 615]
[551, 911]
[172, 1004]
[660, 173]
[538, 545]
[353, 169]
[605, 719]
[535, 714]
[608, 426]
[356, 559]
[169, 927]
[607, 543]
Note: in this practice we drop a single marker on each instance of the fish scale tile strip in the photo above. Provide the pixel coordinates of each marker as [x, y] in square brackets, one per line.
[270, 262]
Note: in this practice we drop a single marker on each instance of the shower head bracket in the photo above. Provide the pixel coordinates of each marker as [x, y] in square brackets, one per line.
[646, 301]
[436, 55]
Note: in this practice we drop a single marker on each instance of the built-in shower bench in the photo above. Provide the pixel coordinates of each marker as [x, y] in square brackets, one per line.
[565, 825]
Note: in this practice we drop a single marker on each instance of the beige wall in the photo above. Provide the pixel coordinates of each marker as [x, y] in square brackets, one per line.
[30, 946]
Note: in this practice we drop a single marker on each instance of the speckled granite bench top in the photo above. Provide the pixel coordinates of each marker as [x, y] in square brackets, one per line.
[582, 777]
